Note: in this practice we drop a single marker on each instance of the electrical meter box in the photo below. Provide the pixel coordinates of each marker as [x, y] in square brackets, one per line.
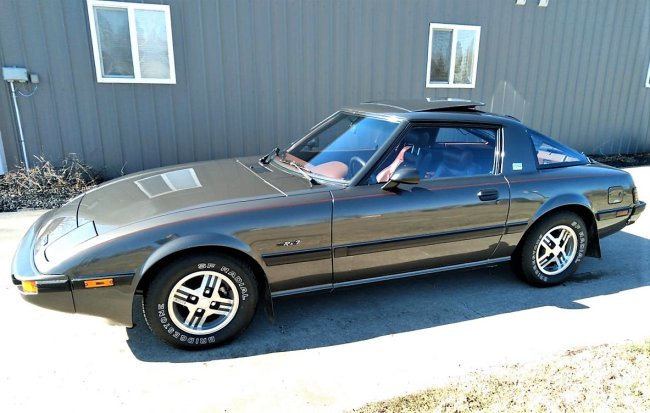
[15, 74]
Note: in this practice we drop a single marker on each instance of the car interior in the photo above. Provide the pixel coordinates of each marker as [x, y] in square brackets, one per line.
[441, 153]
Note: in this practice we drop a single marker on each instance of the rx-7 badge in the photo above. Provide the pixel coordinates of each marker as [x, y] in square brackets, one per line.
[289, 243]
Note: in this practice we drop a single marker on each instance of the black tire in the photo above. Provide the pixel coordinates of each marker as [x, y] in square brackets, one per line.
[201, 301]
[553, 249]
[515, 265]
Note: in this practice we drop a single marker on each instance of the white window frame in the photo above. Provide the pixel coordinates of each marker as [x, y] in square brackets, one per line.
[647, 80]
[452, 66]
[135, 53]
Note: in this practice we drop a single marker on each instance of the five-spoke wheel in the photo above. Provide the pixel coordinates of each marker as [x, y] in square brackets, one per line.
[553, 249]
[556, 250]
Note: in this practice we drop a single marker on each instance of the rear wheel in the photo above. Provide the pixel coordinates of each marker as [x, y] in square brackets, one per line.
[553, 249]
[201, 301]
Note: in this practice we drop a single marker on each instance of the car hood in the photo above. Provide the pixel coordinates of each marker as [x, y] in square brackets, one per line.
[161, 191]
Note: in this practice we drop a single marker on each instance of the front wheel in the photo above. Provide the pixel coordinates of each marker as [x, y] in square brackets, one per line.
[201, 301]
[553, 249]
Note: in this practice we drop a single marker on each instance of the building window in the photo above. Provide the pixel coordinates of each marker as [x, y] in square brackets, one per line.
[453, 55]
[647, 80]
[132, 43]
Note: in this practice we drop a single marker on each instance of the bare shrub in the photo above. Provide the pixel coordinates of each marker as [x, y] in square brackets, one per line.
[46, 186]
[625, 160]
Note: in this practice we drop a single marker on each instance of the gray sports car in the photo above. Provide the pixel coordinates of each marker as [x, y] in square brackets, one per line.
[377, 191]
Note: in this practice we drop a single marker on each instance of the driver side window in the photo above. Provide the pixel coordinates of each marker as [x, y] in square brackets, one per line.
[442, 152]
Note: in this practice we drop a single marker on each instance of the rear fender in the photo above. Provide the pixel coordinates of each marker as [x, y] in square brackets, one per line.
[580, 205]
[560, 201]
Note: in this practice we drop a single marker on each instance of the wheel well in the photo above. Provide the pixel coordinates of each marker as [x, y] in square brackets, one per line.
[593, 244]
[260, 276]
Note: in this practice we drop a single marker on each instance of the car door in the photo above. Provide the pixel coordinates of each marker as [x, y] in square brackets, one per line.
[454, 216]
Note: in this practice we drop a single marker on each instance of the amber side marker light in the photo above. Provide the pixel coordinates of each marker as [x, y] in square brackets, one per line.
[30, 287]
[105, 282]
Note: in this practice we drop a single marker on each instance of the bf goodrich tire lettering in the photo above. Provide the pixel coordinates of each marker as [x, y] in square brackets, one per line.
[554, 248]
[201, 301]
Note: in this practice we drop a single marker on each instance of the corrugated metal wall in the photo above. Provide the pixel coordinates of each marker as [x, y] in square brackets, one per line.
[255, 74]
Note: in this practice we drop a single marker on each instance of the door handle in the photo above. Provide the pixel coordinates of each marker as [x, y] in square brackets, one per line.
[490, 194]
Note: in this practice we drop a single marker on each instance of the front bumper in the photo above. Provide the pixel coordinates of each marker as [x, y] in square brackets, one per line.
[54, 291]
[65, 288]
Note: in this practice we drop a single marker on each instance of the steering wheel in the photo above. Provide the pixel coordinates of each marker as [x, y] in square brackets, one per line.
[355, 165]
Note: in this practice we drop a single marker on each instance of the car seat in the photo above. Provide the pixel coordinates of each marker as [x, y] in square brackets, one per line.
[456, 162]
[411, 155]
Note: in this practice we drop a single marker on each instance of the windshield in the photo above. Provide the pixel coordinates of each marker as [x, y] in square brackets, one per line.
[340, 147]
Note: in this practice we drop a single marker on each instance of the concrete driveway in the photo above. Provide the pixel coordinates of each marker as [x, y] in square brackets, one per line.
[326, 352]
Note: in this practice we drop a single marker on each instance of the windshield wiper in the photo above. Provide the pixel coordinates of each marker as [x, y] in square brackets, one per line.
[264, 160]
[303, 171]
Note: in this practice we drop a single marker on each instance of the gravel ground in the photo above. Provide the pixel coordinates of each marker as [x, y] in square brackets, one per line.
[325, 352]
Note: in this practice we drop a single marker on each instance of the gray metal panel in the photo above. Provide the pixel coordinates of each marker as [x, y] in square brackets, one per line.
[256, 74]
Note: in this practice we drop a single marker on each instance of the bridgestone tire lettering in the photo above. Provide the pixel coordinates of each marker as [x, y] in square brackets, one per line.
[200, 301]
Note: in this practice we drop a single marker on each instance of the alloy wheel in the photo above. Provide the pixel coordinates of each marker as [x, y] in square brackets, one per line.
[203, 302]
[556, 250]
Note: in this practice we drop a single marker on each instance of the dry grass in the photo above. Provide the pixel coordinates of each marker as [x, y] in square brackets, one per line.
[45, 186]
[599, 379]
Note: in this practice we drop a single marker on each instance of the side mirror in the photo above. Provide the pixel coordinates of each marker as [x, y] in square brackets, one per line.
[408, 176]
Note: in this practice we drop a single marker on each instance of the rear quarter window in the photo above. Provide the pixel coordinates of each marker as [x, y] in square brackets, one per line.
[551, 154]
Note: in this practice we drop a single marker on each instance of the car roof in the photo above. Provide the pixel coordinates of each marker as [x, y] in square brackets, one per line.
[429, 109]
[416, 105]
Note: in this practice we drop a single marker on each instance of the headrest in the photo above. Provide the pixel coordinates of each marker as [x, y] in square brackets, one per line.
[411, 156]
[456, 156]
[467, 157]
[417, 137]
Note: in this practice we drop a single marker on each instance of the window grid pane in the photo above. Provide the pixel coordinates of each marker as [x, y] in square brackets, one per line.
[152, 43]
[114, 42]
[464, 56]
[440, 55]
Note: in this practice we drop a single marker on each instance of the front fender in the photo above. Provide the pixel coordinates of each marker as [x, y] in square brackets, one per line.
[191, 241]
[205, 240]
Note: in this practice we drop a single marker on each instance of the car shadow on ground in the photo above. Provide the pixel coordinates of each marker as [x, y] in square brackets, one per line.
[374, 310]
